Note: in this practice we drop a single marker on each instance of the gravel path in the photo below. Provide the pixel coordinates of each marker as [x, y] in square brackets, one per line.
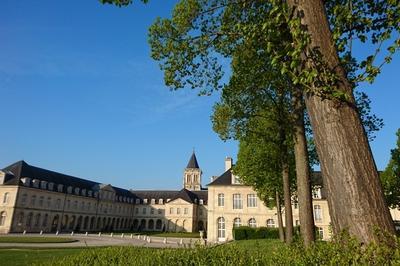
[94, 240]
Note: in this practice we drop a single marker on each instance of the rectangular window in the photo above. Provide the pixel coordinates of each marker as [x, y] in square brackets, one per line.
[137, 210]
[152, 211]
[237, 201]
[41, 199]
[178, 211]
[144, 210]
[221, 200]
[252, 200]
[185, 211]
[159, 211]
[317, 213]
[171, 210]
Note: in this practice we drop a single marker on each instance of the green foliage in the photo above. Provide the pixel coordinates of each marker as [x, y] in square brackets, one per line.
[246, 232]
[390, 178]
[342, 250]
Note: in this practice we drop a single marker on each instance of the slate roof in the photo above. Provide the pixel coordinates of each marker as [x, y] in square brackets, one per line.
[223, 180]
[184, 194]
[21, 169]
[193, 162]
[226, 179]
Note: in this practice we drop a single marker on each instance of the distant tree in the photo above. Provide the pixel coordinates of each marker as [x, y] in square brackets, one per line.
[390, 178]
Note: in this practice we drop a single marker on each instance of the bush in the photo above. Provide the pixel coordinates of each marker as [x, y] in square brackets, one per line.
[246, 232]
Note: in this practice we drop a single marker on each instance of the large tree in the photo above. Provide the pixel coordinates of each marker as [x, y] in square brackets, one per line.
[316, 60]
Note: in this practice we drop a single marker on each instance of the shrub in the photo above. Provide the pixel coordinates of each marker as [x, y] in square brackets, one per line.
[246, 232]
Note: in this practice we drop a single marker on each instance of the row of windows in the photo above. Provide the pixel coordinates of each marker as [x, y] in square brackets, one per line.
[161, 201]
[237, 200]
[41, 202]
[36, 183]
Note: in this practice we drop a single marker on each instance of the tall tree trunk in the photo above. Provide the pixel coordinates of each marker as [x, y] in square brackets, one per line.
[279, 214]
[302, 171]
[288, 203]
[355, 197]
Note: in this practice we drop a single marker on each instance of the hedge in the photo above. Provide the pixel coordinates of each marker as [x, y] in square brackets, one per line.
[246, 232]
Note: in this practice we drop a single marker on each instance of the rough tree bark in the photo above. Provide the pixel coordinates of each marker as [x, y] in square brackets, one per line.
[355, 197]
[287, 197]
[303, 175]
[279, 214]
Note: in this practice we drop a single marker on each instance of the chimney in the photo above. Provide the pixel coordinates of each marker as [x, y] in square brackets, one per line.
[228, 163]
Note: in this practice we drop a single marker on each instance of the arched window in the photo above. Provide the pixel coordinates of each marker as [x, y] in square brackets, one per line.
[3, 216]
[221, 228]
[29, 219]
[20, 219]
[44, 223]
[252, 222]
[317, 213]
[237, 222]
[6, 197]
[270, 223]
[37, 219]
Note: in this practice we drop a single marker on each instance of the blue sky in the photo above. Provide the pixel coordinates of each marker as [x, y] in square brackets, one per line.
[81, 95]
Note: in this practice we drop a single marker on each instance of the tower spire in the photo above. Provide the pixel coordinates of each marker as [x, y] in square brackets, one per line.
[192, 174]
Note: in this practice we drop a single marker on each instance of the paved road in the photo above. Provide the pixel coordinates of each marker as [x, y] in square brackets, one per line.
[94, 240]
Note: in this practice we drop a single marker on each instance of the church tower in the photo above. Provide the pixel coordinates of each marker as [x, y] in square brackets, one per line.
[192, 174]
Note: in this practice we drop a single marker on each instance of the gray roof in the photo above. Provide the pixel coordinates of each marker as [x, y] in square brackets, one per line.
[223, 180]
[193, 162]
[21, 169]
[189, 196]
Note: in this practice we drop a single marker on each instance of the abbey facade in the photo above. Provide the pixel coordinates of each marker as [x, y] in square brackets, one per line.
[33, 199]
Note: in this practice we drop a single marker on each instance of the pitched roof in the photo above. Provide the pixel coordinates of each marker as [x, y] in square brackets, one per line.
[187, 195]
[223, 180]
[21, 169]
[193, 162]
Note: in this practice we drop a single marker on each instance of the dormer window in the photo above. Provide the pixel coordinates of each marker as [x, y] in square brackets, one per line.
[26, 181]
[35, 183]
[96, 194]
[235, 179]
[50, 186]
[168, 200]
[83, 192]
[76, 190]
[160, 201]
[69, 190]
[316, 193]
[145, 201]
[43, 184]
[153, 201]
[201, 202]
[137, 201]
[60, 188]
[90, 193]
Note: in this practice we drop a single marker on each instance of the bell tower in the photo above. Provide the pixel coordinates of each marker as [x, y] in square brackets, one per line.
[192, 174]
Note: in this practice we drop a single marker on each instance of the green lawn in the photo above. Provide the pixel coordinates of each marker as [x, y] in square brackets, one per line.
[34, 256]
[34, 239]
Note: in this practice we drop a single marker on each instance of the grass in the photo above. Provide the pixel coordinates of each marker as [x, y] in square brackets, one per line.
[34, 256]
[36, 240]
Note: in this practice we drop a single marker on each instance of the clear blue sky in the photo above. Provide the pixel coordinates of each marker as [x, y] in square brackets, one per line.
[81, 95]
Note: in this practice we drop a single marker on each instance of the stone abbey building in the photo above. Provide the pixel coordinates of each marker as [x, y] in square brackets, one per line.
[33, 199]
